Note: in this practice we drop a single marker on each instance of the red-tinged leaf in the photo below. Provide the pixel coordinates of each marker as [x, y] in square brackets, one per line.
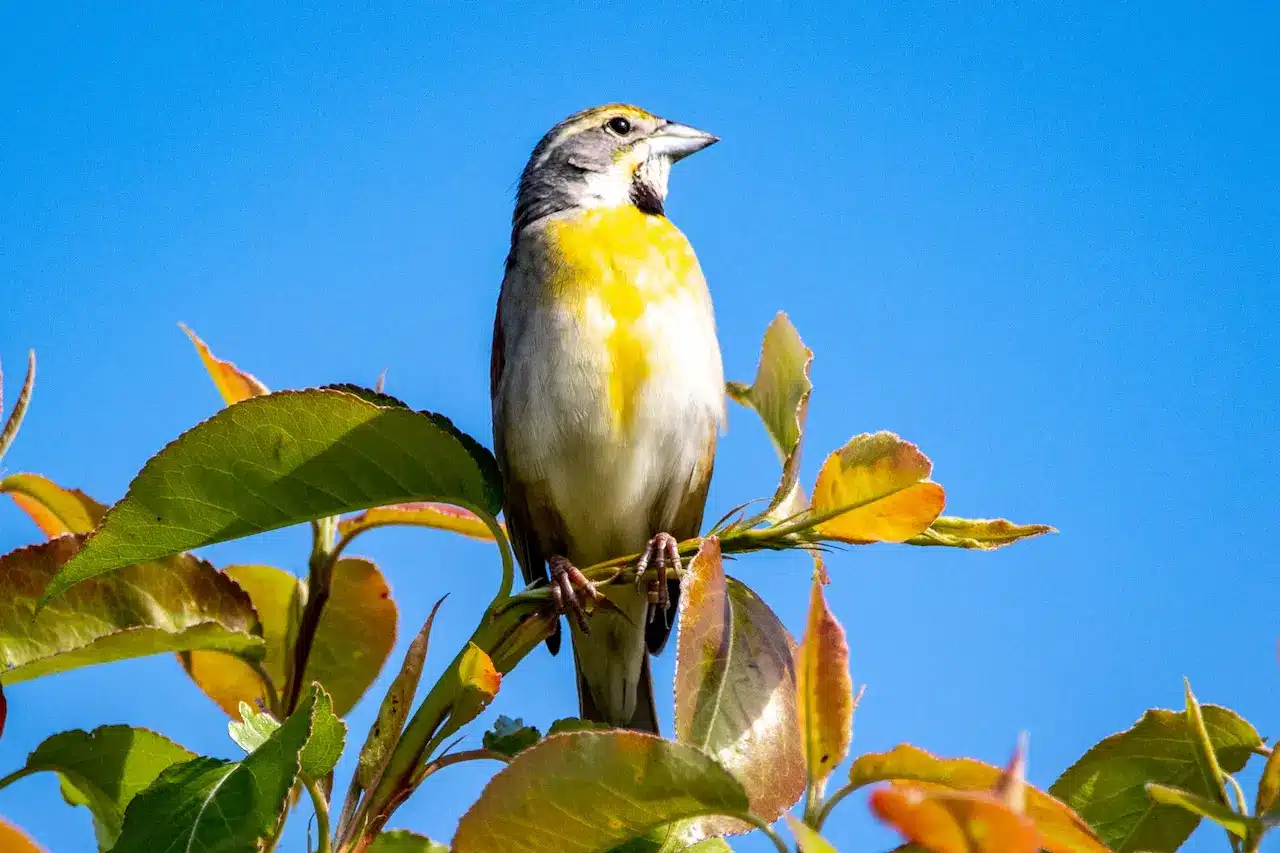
[980, 534]
[54, 509]
[421, 514]
[233, 383]
[1061, 829]
[954, 821]
[876, 489]
[825, 688]
[736, 688]
[14, 840]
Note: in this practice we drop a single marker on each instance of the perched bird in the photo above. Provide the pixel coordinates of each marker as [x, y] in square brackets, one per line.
[607, 389]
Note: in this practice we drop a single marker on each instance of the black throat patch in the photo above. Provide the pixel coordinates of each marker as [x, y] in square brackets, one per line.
[646, 198]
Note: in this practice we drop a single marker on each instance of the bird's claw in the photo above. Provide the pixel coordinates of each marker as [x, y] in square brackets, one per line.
[662, 553]
[566, 580]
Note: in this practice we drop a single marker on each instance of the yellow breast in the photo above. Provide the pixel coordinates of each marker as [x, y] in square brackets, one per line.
[615, 263]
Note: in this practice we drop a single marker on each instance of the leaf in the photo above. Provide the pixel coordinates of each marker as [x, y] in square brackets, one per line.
[610, 787]
[217, 806]
[883, 481]
[476, 683]
[356, 633]
[233, 383]
[1237, 824]
[954, 821]
[808, 840]
[508, 736]
[576, 724]
[736, 688]
[384, 734]
[104, 769]
[289, 457]
[10, 429]
[55, 510]
[253, 727]
[231, 682]
[780, 395]
[983, 534]
[710, 845]
[328, 737]
[1106, 786]
[404, 841]
[171, 605]
[1268, 785]
[824, 688]
[420, 514]
[1061, 829]
[1204, 746]
[14, 840]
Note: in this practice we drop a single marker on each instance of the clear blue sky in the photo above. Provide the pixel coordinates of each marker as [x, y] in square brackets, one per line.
[1042, 244]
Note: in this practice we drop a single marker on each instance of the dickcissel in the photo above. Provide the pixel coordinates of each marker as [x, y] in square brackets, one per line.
[607, 389]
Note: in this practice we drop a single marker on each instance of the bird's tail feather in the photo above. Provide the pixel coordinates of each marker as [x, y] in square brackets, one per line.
[645, 717]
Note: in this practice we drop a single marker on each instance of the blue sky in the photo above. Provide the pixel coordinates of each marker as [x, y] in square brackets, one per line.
[1039, 242]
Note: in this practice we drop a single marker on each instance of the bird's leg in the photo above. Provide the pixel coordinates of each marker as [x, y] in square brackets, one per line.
[663, 552]
[566, 580]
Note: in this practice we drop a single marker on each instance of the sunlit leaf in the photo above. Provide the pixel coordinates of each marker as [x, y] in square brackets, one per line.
[780, 395]
[884, 482]
[420, 514]
[1106, 786]
[1269, 784]
[1237, 824]
[252, 728]
[709, 845]
[174, 604]
[404, 841]
[808, 839]
[508, 736]
[233, 383]
[1061, 829]
[104, 769]
[327, 738]
[946, 821]
[229, 680]
[616, 785]
[576, 724]
[217, 806]
[55, 510]
[356, 633]
[384, 734]
[14, 840]
[824, 688]
[10, 427]
[983, 534]
[281, 459]
[476, 682]
[736, 688]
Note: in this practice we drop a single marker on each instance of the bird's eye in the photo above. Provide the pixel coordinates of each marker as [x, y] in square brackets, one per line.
[619, 125]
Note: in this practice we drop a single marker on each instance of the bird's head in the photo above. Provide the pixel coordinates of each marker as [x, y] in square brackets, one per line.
[604, 157]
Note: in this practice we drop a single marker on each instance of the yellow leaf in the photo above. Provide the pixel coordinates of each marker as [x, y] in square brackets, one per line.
[807, 838]
[55, 510]
[14, 840]
[876, 489]
[954, 821]
[233, 383]
[983, 534]
[824, 687]
[420, 514]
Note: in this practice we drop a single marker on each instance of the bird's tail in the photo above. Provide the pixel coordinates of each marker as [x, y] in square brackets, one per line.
[645, 717]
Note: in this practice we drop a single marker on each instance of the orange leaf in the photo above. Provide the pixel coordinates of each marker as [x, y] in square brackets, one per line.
[955, 821]
[421, 514]
[876, 489]
[233, 383]
[14, 840]
[824, 687]
[55, 510]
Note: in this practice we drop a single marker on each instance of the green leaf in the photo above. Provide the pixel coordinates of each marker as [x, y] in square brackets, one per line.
[567, 725]
[1106, 786]
[710, 845]
[217, 806]
[1237, 824]
[104, 769]
[808, 839]
[174, 604]
[1269, 784]
[617, 785]
[509, 736]
[404, 841]
[736, 689]
[253, 728]
[328, 737]
[281, 459]
[780, 395]
[981, 534]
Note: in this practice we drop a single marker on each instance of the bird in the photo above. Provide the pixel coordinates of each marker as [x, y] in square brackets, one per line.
[607, 392]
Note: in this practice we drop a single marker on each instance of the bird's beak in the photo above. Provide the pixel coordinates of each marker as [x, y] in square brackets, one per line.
[678, 141]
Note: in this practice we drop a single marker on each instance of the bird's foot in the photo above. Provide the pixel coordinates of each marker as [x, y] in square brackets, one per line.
[661, 554]
[566, 580]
